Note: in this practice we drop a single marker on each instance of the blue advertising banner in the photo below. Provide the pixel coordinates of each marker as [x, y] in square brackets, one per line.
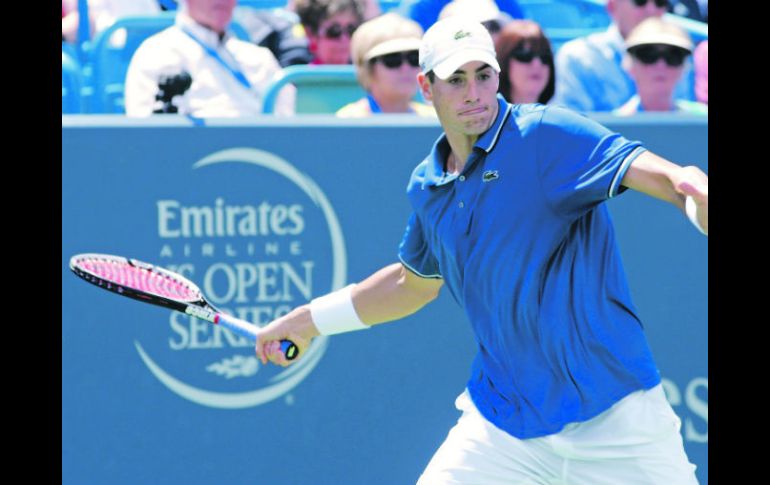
[265, 215]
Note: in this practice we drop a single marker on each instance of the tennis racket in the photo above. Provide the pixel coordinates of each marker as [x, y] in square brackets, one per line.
[151, 284]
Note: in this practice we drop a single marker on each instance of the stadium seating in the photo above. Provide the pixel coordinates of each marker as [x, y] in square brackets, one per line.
[107, 63]
[71, 84]
[101, 65]
[320, 89]
[566, 14]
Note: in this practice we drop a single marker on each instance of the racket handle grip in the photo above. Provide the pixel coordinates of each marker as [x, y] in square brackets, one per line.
[249, 330]
[289, 349]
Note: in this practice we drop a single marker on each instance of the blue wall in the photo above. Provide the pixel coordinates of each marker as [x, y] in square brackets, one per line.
[306, 205]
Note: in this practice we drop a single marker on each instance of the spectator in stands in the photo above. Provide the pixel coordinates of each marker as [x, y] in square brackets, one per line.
[385, 53]
[589, 71]
[371, 8]
[657, 51]
[198, 68]
[527, 73]
[701, 61]
[279, 30]
[426, 12]
[329, 25]
[485, 12]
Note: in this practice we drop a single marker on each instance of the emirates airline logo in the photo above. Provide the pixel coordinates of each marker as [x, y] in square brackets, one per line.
[256, 255]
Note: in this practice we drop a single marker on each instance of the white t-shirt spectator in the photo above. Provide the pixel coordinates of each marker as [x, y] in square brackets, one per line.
[215, 66]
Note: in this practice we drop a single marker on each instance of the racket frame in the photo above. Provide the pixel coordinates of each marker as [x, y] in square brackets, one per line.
[199, 307]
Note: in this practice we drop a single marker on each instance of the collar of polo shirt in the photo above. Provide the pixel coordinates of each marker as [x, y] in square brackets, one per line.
[435, 175]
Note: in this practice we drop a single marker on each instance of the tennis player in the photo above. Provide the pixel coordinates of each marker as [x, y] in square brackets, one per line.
[508, 214]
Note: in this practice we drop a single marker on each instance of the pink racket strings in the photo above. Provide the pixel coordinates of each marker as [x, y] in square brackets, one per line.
[123, 273]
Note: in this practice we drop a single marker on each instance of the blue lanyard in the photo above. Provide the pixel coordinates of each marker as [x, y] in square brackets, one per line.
[213, 53]
[373, 106]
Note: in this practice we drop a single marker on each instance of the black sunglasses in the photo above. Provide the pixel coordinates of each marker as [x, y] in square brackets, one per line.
[526, 56]
[658, 3]
[650, 54]
[335, 31]
[395, 59]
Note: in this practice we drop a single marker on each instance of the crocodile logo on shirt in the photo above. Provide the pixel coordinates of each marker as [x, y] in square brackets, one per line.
[490, 175]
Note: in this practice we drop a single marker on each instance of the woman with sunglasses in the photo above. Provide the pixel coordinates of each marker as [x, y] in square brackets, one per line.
[527, 73]
[590, 72]
[329, 26]
[656, 56]
[385, 53]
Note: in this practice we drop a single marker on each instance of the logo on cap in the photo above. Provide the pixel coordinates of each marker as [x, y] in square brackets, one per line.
[460, 34]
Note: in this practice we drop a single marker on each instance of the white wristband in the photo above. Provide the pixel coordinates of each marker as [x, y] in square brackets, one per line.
[334, 313]
[691, 211]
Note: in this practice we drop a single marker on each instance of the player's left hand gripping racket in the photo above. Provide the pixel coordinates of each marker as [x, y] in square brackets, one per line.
[158, 286]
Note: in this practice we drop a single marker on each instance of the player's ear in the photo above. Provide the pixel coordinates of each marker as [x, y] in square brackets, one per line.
[425, 86]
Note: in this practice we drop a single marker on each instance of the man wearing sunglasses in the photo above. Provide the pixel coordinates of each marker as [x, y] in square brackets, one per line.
[657, 51]
[589, 70]
[508, 214]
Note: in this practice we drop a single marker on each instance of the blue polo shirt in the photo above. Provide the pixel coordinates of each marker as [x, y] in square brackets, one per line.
[524, 244]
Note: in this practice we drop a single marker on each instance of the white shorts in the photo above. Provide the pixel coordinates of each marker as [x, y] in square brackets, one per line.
[635, 442]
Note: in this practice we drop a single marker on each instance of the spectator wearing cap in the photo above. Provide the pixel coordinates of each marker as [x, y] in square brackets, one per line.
[385, 51]
[485, 12]
[701, 61]
[589, 70]
[657, 51]
[329, 26]
[527, 73]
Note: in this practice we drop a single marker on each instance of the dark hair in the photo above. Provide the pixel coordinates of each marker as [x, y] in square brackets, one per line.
[431, 76]
[515, 35]
[313, 12]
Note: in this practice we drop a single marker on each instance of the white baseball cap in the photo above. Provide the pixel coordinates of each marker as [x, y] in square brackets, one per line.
[453, 41]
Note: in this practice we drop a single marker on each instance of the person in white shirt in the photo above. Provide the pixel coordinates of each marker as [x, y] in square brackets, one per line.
[198, 68]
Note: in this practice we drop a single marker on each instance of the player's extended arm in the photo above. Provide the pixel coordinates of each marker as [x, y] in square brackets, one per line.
[389, 294]
[656, 176]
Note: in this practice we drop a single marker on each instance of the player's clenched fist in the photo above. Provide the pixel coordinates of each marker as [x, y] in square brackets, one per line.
[296, 326]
